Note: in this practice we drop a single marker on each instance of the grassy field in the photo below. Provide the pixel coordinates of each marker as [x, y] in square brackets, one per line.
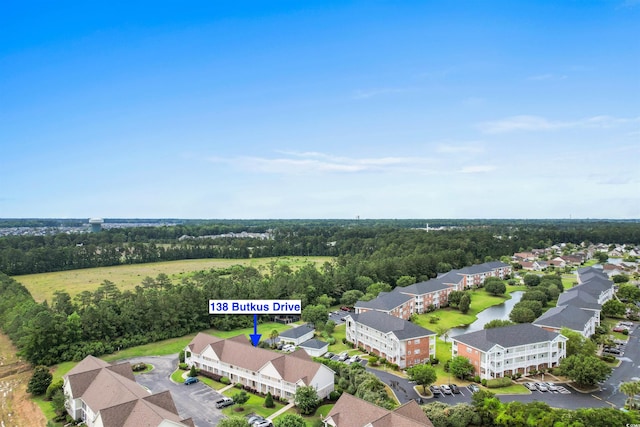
[43, 285]
[313, 420]
[255, 404]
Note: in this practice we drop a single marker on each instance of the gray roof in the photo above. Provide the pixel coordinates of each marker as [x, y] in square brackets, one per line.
[314, 343]
[385, 301]
[598, 283]
[421, 288]
[578, 298]
[565, 316]
[496, 264]
[474, 269]
[587, 272]
[297, 332]
[386, 323]
[506, 336]
[449, 277]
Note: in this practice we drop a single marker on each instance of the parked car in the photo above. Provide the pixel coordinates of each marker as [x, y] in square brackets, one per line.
[190, 380]
[445, 389]
[253, 418]
[530, 386]
[542, 387]
[263, 423]
[454, 389]
[620, 329]
[612, 350]
[345, 308]
[551, 386]
[354, 359]
[343, 356]
[328, 355]
[473, 388]
[224, 402]
[288, 348]
[435, 390]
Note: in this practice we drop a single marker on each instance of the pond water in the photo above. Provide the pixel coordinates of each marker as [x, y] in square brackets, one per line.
[495, 312]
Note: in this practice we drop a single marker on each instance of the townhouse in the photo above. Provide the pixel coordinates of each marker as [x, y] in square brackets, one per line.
[397, 340]
[350, 411]
[433, 293]
[104, 395]
[507, 350]
[595, 282]
[259, 369]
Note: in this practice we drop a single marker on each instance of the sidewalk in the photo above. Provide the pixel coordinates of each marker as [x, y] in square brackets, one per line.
[281, 411]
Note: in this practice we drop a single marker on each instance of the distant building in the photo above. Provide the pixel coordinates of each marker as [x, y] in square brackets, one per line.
[96, 224]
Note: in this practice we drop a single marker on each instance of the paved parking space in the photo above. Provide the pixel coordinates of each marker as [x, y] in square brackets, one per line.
[195, 400]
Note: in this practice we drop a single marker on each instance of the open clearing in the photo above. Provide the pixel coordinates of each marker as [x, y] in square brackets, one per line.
[42, 286]
[16, 409]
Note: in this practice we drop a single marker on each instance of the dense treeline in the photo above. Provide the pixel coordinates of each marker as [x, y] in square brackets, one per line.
[393, 243]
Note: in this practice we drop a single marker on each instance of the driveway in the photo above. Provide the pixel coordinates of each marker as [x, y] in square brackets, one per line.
[195, 400]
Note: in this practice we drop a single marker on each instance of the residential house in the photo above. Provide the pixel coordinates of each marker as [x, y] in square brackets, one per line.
[574, 318]
[104, 395]
[350, 411]
[297, 335]
[395, 339]
[392, 303]
[524, 256]
[315, 348]
[507, 350]
[257, 368]
[595, 282]
[580, 299]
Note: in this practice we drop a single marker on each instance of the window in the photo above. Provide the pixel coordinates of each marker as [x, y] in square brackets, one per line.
[416, 341]
[468, 349]
[417, 351]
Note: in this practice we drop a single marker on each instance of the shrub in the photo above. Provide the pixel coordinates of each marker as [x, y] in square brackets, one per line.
[183, 366]
[225, 380]
[138, 367]
[335, 395]
[344, 340]
[53, 387]
[238, 385]
[483, 382]
[40, 381]
[625, 332]
[373, 360]
[181, 356]
[605, 357]
[476, 379]
[433, 360]
[498, 382]
[268, 401]
[193, 372]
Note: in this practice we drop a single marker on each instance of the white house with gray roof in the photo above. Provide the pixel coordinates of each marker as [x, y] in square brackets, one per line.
[297, 335]
[397, 340]
[507, 350]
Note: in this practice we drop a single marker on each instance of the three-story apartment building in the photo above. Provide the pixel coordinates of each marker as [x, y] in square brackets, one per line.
[507, 350]
[397, 340]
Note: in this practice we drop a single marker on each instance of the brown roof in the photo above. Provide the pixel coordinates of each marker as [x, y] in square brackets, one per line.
[240, 352]
[350, 411]
[111, 391]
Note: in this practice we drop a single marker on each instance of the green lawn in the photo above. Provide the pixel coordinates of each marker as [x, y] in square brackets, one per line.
[339, 333]
[314, 419]
[255, 404]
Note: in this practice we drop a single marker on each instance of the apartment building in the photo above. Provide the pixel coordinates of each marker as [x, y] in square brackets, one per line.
[507, 350]
[105, 395]
[257, 368]
[397, 340]
[392, 303]
[350, 411]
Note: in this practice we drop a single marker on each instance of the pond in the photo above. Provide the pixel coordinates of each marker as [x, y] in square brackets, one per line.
[495, 312]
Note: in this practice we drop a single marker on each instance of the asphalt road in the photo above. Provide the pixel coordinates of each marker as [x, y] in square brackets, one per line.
[195, 400]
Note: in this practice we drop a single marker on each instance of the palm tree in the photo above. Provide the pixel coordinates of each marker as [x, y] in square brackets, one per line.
[630, 389]
[274, 334]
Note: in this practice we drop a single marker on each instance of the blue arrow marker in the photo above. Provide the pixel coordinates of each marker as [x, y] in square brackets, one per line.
[255, 337]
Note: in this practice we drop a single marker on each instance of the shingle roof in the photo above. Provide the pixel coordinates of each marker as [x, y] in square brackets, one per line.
[297, 332]
[111, 392]
[451, 277]
[238, 351]
[389, 324]
[350, 411]
[496, 264]
[422, 288]
[578, 298]
[313, 343]
[565, 316]
[506, 336]
[385, 301]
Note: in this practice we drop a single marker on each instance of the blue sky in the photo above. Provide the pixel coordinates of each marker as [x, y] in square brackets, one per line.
[302, 109]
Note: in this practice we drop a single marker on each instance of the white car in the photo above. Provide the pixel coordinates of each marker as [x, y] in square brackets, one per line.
[289, 348]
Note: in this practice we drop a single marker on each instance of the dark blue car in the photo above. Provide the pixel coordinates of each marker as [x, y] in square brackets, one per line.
[190, 380]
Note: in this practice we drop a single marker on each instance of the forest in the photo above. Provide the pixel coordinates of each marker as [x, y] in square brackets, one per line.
[365, 256]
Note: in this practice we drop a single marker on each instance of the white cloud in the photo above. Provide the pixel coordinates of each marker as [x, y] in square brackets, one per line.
[315, 162]
[477, 169]
[537, 123]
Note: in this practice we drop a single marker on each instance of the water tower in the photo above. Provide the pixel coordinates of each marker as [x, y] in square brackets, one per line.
[96, 224]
